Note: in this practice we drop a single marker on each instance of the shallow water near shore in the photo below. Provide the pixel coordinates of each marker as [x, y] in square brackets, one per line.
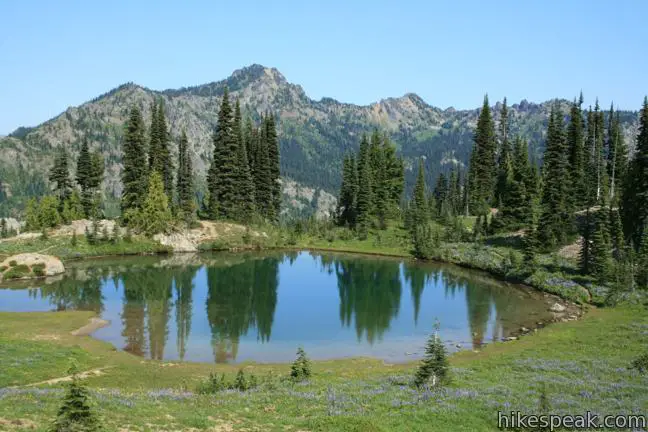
[261, 306]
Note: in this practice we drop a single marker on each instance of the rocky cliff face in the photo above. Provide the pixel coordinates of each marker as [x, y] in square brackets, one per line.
[314, 135]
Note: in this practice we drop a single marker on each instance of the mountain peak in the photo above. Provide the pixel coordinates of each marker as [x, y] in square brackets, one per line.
[258, 72]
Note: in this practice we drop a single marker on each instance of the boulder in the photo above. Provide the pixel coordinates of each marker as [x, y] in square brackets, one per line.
[30, 265]
[557, 307]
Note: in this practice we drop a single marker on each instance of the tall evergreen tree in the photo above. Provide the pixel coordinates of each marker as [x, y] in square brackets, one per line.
[164, 163]
[60, 177]
[154, 138]
[365, 193]
[616, 234]
[600, 248]
[222, 176]
[154, 216]
[83, 174]
[504, 157]
[617, 161]
[577, 159]
[555, 219]
[184, 182]
[597, 172]
[134, 172]
[394, 175]
[634, 205]
[272, 145]
[419, 204]
[587, 234]
[347, 200]
[517, 205]
[262, 174]
[379, 179]
[245, 183]
[483, 172]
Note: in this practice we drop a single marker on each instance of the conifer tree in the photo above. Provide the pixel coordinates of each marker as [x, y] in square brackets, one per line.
[222, 174]
[420, 205]
[531, 247]
[634, 205]
[262, 175]
[300, 369]
[184, 181]
[554, 223]
[365, 194]
[250, 137]
[84, 168]
[577, 159]
[617, 158]
[597, 171]
[134, 173]
[245, 183]
[154, 138]
[73, 208]
[97, 168]
[164, 163]
[483, 172]
[616, 234]
[60, 177]
[587, 233]
[600, 248]
[504, 158]
[394, 175]
[435, 366]
[48, 214]
[272, 145]
[75, 412]
[3, 228]
[517, 204]
[440, 194]
[379, 179]
[347, 200]
[32, 223]
[155, 215]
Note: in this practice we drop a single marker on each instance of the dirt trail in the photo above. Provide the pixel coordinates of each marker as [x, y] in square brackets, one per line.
[80, 375]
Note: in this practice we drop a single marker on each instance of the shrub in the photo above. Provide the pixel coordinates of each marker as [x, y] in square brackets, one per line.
[73, 240]
[17, 272]
[216, 383]
[3, 268]
[38, 269]
[641, 363]
[213, 384]
[13, 263]
[300, 369]
[435, 365]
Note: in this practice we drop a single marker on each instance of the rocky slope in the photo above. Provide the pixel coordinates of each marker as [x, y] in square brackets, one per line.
[314, 135]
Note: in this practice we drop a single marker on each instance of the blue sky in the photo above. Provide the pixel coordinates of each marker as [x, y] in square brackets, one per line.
[59, 54]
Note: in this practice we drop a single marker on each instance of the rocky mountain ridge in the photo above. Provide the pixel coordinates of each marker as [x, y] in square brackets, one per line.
[314, 135]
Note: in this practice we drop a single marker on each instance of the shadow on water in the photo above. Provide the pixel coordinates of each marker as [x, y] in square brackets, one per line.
[158, 301]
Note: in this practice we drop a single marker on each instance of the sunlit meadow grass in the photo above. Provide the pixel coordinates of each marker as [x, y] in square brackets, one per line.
[584, 364]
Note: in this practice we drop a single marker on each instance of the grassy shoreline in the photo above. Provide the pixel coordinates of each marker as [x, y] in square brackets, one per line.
[584, 365]
[393, 242]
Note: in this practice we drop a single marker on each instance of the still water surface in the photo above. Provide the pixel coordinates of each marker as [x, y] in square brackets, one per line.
[261, 306]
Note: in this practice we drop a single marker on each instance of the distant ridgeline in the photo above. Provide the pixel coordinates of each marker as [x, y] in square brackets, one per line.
[314, 136]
